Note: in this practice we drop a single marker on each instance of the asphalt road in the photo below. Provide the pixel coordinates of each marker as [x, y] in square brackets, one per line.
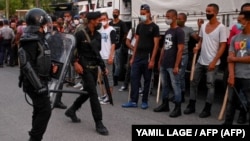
[15, 115]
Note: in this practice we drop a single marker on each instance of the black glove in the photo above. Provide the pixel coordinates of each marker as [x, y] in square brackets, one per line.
[43, 91]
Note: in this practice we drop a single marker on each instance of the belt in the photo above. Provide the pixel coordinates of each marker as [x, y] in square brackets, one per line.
[91, 66]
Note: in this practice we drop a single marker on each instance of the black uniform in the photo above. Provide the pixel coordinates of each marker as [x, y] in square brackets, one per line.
[35, 66]
[41, 102]
[88, 59]
[89, 63]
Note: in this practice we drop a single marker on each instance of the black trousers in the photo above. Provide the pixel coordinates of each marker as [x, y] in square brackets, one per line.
[10, 52]
[90, 77]
[242, 85]
[41, 115]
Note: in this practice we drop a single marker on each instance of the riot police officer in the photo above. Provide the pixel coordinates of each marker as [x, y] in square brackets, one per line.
[86, 64]
[35, 65]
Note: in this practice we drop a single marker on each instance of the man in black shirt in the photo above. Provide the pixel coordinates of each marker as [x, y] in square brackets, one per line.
[86, 64]
[121, 33]
[143, 59]
[170, 63]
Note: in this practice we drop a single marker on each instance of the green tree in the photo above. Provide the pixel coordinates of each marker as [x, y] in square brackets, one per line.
[28, 4]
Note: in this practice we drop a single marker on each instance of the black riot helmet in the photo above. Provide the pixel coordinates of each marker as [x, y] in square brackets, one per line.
[37, 17]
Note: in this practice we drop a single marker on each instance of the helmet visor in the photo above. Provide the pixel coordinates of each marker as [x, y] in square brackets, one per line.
[49, 24]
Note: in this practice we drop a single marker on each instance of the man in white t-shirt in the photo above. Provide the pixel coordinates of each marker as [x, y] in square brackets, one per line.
[107, 52]
[212, 43]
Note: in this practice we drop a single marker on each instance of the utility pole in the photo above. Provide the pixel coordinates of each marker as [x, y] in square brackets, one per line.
[37, 3]
[7, 5]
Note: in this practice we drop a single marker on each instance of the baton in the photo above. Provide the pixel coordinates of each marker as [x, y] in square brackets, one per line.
[158, 89]
[224, 105]
[193, 67]
[68, 91]
[242, 103]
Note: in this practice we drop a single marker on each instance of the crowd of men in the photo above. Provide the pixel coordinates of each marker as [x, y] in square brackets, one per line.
[10, 33]
[112, 42]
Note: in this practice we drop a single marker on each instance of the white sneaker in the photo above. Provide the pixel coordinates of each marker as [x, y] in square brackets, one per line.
[123, 88]
[105, 100]
[101, 98]
[78, 85]
[81, 88]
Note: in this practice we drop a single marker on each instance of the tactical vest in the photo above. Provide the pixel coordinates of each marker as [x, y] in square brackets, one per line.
[43, 60]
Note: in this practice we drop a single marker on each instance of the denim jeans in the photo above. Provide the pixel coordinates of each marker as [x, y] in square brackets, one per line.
[183, 71]
[117, 62]
[140, 68]
[210, 79]
[168, 80]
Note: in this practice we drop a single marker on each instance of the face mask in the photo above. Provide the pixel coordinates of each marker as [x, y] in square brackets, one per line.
[239, 26]
[143, 18]
[45, 29]
[104, 23]
[81, 21]
[209, 16]
[168, 21]
[76, 22]
[99, 25]
[180, 23]
[115, 16]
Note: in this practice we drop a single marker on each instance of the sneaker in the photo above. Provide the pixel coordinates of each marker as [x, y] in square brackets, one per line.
[105, 100]
[78, 85]
[129, 104]
[101, 98]
[123, 88]
[82, 88]
[144, 105]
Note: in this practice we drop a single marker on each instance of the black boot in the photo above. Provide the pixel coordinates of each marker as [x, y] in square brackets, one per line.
[177, 110]
[71, 113]
[60, 105]
[206, 112]
[58, 101]
[242, 119]
[164, 107]
[101, 129]
[190, 107]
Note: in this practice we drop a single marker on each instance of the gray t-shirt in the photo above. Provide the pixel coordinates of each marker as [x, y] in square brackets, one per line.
[240, 45]
[188, 33]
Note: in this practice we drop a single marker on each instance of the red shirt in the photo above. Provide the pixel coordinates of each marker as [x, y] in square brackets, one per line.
[234, 30]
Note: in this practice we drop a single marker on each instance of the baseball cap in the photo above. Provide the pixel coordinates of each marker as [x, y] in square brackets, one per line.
[76, 17]
[145, 7]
